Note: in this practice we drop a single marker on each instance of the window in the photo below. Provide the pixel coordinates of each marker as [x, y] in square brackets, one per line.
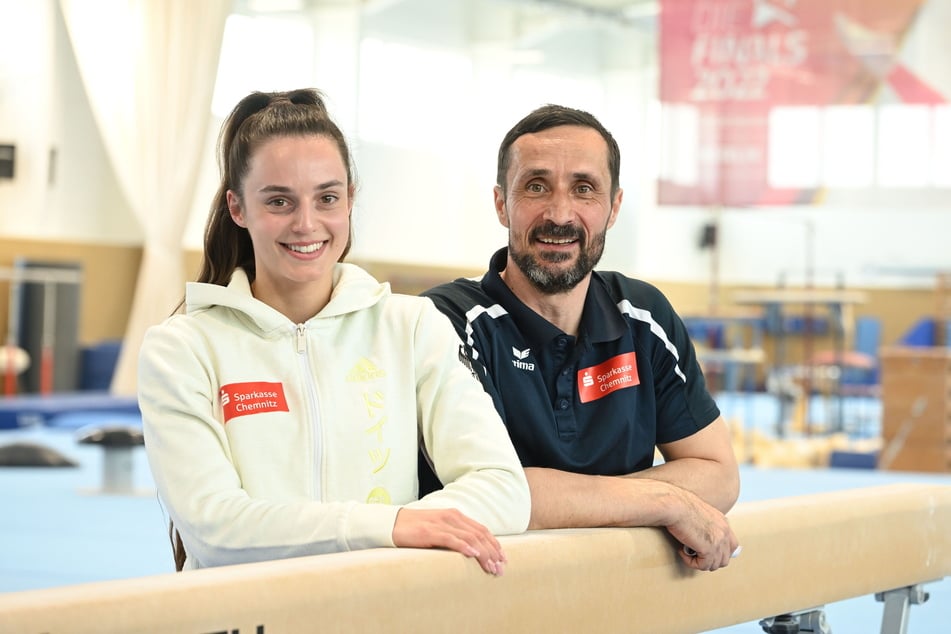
[262, 53]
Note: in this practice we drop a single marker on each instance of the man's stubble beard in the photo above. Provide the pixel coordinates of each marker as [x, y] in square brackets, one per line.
[554, 281]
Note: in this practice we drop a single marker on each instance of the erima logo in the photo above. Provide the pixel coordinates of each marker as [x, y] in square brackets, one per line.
[519, 362]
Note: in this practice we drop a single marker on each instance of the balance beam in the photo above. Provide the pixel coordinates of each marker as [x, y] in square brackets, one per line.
[798, 553]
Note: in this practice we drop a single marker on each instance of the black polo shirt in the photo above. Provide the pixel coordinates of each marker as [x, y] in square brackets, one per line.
[597, 403]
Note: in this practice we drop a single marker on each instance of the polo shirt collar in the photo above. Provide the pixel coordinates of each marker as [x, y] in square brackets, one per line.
[600, 319]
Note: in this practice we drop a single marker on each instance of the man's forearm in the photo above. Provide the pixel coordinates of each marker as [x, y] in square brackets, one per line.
[713, 482]
[702, 463]
[563, 499]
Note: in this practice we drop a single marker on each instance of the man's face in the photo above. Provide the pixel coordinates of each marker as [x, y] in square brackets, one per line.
[557, 205]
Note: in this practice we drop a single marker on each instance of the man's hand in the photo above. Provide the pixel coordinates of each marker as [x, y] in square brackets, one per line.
[709, 542]
[449, 529]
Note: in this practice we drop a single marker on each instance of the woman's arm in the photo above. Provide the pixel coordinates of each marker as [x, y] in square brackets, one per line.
[464, 436]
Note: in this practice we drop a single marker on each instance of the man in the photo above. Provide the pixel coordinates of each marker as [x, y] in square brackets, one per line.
[590, 370]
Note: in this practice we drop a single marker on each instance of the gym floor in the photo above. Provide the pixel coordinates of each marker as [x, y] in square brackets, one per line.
[57, 527]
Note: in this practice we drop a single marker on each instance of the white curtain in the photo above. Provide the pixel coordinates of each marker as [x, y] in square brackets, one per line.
[149, 69]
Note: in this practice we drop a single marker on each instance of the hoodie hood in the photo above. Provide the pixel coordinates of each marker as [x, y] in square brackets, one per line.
[353, 289]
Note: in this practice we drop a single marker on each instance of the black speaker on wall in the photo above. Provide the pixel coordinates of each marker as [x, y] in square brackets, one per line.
[7, 157]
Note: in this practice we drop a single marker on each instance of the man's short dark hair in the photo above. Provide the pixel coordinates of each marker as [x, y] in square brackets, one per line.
[551, 116]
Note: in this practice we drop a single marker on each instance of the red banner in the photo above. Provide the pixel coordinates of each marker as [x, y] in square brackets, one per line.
[726, 63]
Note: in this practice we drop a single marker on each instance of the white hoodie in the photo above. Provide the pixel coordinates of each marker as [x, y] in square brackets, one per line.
[269, 439]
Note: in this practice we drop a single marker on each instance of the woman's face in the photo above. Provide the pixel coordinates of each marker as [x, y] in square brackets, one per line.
[295, 203]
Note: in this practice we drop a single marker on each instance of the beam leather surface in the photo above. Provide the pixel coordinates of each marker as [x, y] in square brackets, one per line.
[798, 552]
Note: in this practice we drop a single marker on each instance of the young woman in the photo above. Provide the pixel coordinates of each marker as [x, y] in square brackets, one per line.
[284, 409]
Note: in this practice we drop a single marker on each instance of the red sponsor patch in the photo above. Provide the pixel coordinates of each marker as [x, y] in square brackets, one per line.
[614, 374]
[256, 397]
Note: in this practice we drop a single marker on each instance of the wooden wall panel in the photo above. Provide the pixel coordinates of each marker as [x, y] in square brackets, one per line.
[110, 274]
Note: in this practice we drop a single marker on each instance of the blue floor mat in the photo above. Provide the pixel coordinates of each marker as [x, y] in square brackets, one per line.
[30, 410]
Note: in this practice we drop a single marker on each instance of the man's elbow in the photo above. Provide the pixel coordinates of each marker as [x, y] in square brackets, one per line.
[731, 487]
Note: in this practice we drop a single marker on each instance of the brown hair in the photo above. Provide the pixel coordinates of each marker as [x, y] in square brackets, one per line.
[178, 548]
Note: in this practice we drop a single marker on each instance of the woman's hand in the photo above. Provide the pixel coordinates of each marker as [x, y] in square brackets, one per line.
[449, 529]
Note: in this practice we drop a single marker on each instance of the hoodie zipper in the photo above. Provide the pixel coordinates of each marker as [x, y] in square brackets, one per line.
[312, 400]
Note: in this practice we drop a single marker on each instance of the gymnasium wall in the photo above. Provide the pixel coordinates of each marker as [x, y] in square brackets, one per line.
[109, 275]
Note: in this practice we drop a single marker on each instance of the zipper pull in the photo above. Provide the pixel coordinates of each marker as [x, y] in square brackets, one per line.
[300, 339]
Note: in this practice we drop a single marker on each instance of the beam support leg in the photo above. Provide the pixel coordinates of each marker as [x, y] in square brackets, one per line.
[897, 602]
[812, 621]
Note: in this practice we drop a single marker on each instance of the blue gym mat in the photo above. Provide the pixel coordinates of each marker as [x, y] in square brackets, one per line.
[29, 410]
